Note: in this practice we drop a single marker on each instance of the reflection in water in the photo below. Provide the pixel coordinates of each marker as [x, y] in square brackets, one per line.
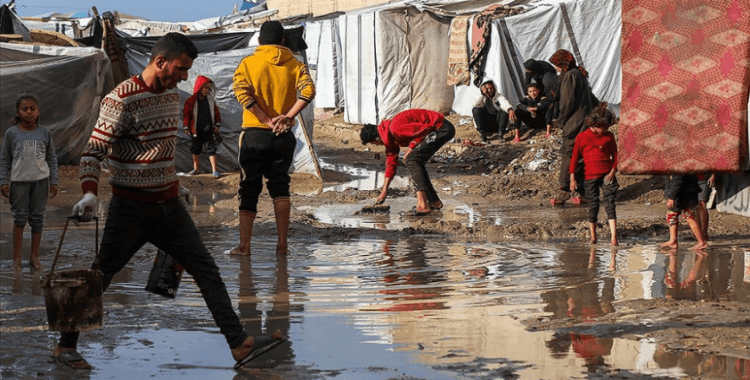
[364, 179]
[251, 315]
[585, 293]
[408, 283]
[421, 306]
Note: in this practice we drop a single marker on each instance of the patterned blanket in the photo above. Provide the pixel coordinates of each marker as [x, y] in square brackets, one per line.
[686, 72]
[458, 57]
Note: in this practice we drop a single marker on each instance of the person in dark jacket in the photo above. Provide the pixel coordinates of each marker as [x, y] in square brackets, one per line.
[681, 192]
[575, 102]
[532, 111]
[545, 75]
[537, 72]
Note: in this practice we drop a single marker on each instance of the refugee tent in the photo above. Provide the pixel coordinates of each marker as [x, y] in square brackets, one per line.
[69, 83]
[391, 61]
[219, 55]
[589, 29]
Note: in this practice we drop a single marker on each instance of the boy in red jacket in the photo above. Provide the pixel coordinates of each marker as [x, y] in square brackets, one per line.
[422, 133]
[598, 148]
[201, 120]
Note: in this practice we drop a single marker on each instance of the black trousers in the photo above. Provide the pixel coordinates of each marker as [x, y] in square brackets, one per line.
[264, 155]
[539, 121]
[488, 120]
[609, 193]
[422, 153]
[167, 225]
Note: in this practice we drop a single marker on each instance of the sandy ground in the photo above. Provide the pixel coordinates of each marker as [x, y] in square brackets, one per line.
[502, 173]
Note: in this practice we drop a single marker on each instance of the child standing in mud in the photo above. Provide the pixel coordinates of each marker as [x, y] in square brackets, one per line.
[598, 148]
[682, 192]
[28, 175]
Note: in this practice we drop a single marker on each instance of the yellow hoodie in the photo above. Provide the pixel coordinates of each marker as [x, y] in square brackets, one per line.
[273, 78]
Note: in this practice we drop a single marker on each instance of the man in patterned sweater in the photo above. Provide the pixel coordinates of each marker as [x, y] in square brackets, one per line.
[136, 134]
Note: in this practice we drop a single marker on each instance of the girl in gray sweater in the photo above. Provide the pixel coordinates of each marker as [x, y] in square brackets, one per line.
[28, 175]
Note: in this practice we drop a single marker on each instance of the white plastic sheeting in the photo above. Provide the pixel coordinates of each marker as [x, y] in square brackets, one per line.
[69, 83]
[538, 33]
[360, 74]
[220, 67]
[324, 58]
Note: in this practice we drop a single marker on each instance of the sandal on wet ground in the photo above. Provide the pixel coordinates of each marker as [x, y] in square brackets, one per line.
[261, 345]
[72, 359]
[415, 212]
[437, 205]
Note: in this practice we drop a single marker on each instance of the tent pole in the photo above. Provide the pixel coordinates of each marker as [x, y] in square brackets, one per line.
[310, 147]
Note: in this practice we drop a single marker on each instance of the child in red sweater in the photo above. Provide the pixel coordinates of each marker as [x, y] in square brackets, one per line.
[598, 148]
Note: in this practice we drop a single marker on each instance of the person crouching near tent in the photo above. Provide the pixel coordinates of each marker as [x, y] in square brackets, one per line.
[135, 134]
[598, 148]
[202, 120]
[273, 88]
[575, 102]
[491, 112]
[28, 175]
[423, 133]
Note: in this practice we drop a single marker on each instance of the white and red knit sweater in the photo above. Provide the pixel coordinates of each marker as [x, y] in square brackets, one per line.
[136, 132]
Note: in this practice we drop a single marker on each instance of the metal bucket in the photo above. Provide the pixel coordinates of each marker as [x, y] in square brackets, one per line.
[74, 296]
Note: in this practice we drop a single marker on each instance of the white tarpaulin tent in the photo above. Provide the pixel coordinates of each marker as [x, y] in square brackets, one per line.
[589, 29]
[392, 58]
[69, 83]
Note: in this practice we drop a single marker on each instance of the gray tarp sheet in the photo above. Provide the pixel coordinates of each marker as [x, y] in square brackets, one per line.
[69, 83]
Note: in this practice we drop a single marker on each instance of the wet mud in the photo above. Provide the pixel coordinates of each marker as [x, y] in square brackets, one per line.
[496, 285]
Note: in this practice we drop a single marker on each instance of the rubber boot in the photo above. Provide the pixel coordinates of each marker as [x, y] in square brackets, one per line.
[36, 242]
[17, 244]
[246, 233]
[281, 207]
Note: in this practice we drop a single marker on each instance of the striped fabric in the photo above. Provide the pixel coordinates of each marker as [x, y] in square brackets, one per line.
[136, 133]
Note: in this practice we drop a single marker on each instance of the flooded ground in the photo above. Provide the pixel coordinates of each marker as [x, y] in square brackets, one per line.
[425, 307]
[496, 285]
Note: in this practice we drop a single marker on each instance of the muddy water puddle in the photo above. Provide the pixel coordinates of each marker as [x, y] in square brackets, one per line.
[417, 308]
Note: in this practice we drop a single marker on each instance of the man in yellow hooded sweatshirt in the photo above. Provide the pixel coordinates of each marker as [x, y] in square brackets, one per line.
[273, 87]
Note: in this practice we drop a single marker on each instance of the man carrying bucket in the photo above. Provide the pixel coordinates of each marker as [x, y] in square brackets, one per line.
[136, 133]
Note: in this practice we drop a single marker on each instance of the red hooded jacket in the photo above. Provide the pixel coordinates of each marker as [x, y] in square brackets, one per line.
[190, 111]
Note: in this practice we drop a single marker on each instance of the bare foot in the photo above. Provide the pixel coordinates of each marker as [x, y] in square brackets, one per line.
[669, 244]
[246, 347]
[35, 263]
[70, 357]
[700, 246]
[237, 251]
[614, 243]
